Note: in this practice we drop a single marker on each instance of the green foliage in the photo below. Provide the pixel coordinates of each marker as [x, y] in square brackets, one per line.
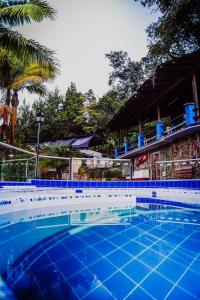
[60, 165]
[113, 174]
[16, 75]
[26, 125]
[18, 13]
[14, 13]
[82, 171]
[73, 111]
[91, 117]
[66, 116]
[13, 172]
[90, 97]
[177, 30]
[50, 107]
[107, 106]
[60, 151]
[127, 75]
[19, 167]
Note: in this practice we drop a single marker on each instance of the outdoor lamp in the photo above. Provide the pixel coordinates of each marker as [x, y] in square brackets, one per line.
[39, 119]
[60, 106]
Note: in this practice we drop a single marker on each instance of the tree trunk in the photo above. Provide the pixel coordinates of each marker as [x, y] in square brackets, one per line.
[8, 96]
[59, 172]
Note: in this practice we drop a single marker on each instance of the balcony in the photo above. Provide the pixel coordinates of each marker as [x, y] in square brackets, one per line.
[170, 134]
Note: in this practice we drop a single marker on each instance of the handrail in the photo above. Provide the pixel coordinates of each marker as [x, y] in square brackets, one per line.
[177, 126]
[172, 120]
[167, 133]
[16, 148]
[177, 160]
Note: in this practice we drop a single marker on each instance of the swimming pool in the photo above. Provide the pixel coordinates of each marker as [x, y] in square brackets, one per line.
[151, 251]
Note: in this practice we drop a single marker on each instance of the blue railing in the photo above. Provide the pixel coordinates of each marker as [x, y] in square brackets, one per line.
[170, 130]
[152, 137]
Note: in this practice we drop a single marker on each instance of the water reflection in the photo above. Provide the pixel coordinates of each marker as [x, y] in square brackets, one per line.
[74, 256]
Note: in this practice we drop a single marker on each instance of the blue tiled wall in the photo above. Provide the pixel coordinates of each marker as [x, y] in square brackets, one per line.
[167, 202]
[14, 183]
[188, 184]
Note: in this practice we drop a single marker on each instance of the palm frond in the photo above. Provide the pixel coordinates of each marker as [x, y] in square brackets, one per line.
[7, 68]
[25, 49]
[13, 13]
[23, 82]
[33, 74]
[46, 72]
[39, 89]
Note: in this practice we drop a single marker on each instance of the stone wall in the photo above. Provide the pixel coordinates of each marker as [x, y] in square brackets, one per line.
[185, 148]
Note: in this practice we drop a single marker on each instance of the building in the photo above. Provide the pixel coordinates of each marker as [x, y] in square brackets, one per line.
[170, 99]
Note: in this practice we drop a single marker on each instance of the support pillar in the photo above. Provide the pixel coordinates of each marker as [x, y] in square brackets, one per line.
[126, 146]
[116, 152]
[71, 168]
[140, 140]
[140, 135]
[126, 143]
[140, 125]
[195, 93]
[158, 111]
[160, 126]
[119, 138]
[190, 114]
[160, 129]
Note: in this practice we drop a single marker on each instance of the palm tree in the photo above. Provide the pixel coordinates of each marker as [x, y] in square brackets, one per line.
[24, 63]
[59, 164]
[15, 13]
[16, 76]
[30, 77]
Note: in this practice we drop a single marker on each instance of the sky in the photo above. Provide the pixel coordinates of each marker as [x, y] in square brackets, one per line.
[84, 30]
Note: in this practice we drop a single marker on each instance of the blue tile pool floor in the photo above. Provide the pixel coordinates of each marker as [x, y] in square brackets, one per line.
[147, 259]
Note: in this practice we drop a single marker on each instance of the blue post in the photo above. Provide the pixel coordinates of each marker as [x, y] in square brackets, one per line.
[140, 139]
[126, 146]
[160, 129]
[190, 114]
[116, 152]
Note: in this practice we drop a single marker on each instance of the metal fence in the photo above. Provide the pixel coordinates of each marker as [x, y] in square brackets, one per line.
[18, 164]
[182, 168]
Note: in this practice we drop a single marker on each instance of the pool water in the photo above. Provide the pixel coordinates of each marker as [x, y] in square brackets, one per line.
[152, 253]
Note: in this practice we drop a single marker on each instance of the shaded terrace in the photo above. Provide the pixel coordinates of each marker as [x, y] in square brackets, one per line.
[165, 95]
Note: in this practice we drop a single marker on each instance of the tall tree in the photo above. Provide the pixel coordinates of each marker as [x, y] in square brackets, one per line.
[61, 166]
[73, 111]
[90, 97]
[15, 76]
[126, 75]
[51, 129]
[51, 107]
[177, 30]
[26, 125]
[107, 106]
[64, 116]
[90, 112]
